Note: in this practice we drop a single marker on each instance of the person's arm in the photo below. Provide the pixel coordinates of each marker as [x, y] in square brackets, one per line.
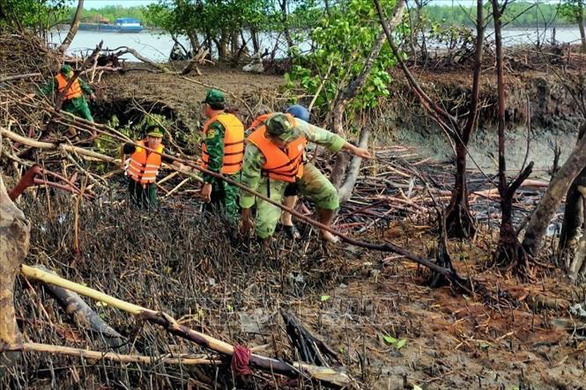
[333, 142]
[85, 87]
[124, 150]
[48, 88]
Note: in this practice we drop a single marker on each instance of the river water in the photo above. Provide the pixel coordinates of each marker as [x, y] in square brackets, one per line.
[157, 46]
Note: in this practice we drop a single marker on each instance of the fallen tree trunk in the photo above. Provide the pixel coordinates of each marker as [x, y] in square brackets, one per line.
[554, 195]
[171, 325]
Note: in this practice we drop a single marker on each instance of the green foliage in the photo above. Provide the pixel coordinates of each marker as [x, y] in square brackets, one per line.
[517, 14]
[39, 15]
[571, 10]
[111, 13]
[343, 42]
[397, 343]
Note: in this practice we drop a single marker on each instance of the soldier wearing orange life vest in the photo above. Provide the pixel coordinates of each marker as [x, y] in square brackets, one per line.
[73, 99]
[274, 158]
[143, 166]
[222, 152]
[292, 190]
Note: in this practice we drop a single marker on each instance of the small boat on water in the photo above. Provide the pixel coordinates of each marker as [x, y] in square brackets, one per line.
[122, 25]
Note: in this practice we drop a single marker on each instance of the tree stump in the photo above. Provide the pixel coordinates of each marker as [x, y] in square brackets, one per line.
[14, 244]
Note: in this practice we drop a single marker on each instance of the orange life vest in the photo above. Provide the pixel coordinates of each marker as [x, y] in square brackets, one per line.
[74, 90]
[143, 164]
[233, 143]
[258, 121]
[285, 165]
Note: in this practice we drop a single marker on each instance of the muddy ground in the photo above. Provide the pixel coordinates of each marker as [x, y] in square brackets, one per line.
[522, 335]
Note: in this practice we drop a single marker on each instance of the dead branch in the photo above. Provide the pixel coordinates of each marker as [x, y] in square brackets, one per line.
[111, 356]
[345, 190]
[310, 348]
[20, 76]
[121, 50]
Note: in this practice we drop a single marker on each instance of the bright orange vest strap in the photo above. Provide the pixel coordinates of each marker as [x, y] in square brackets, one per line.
[285, 165]
[143, 164]
[74, 90]
[233, 143]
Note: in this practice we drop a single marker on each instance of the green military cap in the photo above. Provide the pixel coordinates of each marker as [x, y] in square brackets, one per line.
[154, 131]
[214, 96]
[280, 126]
[65, 69]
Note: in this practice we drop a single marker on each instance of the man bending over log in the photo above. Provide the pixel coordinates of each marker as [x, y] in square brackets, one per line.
[274, 158]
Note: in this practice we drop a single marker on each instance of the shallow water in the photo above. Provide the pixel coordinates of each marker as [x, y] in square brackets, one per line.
[157, 46]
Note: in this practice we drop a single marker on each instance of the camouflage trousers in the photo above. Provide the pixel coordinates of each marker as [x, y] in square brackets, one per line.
[78, 107]
[225, 196]
[142, 196]
[313, 185]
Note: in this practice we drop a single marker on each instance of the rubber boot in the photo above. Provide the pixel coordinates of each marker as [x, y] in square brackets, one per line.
[325, 217]
[287, 219]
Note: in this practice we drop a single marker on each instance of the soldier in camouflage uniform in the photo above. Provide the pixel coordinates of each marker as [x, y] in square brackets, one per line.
[74, 99]
[274, 159]
[222, 152]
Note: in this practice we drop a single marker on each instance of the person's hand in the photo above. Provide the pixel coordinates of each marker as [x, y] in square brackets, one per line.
[93, 96]
[206, 192]
[361, 152]
[247, 223]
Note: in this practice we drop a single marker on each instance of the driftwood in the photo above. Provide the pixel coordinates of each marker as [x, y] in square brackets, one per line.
[171, 325]
[121, 50]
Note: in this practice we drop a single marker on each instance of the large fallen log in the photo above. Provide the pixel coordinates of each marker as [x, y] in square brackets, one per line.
[170, 324]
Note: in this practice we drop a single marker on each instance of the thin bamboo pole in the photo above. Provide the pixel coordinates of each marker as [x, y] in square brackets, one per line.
[96, 355]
